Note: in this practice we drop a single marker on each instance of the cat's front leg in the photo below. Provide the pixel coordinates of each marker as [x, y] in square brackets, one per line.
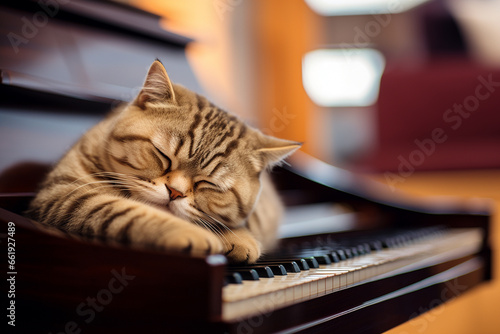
[241, 246]
[191, 239]
[150, 227]
[123, 221]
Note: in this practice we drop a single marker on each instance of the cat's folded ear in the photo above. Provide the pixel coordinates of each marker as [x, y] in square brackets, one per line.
[272, 151]
[157, 87]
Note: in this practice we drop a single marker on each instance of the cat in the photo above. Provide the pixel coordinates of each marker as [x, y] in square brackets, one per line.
[169, 171]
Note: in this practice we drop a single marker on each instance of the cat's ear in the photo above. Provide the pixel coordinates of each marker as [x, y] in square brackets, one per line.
[272, 151]
[157, 87]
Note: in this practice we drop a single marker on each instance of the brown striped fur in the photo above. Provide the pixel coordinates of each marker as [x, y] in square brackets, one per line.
[170, 171]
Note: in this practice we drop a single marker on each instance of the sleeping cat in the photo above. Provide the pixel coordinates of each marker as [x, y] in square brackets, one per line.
[169, 171]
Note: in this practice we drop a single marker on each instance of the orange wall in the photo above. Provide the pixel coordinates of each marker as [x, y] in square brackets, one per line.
[210, 56]
[284, 32]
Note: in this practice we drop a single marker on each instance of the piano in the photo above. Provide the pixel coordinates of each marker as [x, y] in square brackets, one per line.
[354, 257]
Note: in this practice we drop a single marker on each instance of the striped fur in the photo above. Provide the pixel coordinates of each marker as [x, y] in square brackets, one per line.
[169, 171]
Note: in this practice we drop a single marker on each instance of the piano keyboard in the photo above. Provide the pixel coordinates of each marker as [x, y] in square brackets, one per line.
[277, 283]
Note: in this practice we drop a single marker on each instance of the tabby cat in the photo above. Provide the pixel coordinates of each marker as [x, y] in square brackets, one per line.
[169, 171]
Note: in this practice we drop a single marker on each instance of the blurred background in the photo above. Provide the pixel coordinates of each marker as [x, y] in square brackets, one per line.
[359, 82]
[362, 83]
[386, 87]
[369, 85]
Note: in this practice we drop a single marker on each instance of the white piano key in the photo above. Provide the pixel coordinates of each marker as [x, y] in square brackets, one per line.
[257, 297]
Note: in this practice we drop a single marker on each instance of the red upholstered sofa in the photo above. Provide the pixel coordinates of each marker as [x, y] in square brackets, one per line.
[444, 114]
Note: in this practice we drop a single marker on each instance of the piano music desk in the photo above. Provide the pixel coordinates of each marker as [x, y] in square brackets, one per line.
[478, 310]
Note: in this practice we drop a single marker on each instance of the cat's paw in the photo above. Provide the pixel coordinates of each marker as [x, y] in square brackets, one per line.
[193, 241]
[242, 247]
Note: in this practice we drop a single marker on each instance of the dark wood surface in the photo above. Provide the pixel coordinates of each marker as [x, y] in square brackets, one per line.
[56, 273]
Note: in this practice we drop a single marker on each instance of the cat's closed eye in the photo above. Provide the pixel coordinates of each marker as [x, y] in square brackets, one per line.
[204, 184]
[169, 162]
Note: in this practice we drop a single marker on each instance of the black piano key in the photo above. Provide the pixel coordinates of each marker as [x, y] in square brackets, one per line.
[312, 262]
[300, 261]
[288, 266]
[399, 240]
[263, 271]
[348, 253]
[367, 248]
[376, 245]
[341, 254]
[233, 278]
[364, 248]
[279, 270]
[323, 259]
[303, 265]
[354, 251]
[291, 267]
[404, 240]
[246, 274]
[359, 249]
[334, 257]
[389, 243]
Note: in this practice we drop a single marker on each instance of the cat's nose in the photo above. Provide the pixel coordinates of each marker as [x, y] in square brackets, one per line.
[174, 193]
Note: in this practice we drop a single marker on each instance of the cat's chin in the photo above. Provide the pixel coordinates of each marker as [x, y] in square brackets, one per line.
[176, 211]
[168, 207]
[162, 206]
[174, 208]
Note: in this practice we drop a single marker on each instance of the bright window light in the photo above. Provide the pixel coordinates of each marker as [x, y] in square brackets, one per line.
[343, 77]
[361, 7]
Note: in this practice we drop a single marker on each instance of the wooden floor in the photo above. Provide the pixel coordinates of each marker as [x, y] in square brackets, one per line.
[477, 311]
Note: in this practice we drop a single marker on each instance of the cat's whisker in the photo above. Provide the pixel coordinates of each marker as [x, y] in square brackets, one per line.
[215, 231]
[205, 225]
[109, 183]
[219, 223]
[87, 176]
[98, 174]
[134, 180]
[86, 185]
[117, 177]
[208, 225]
[102, 187]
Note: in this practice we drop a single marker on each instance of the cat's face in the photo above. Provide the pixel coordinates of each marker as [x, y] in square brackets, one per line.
[173, 149]
[186, 167]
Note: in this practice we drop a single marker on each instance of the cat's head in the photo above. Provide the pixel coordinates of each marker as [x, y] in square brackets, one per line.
[185, 155]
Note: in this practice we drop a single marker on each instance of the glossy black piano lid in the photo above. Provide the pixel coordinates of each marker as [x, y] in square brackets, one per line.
[91, 50]
[107, 15]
